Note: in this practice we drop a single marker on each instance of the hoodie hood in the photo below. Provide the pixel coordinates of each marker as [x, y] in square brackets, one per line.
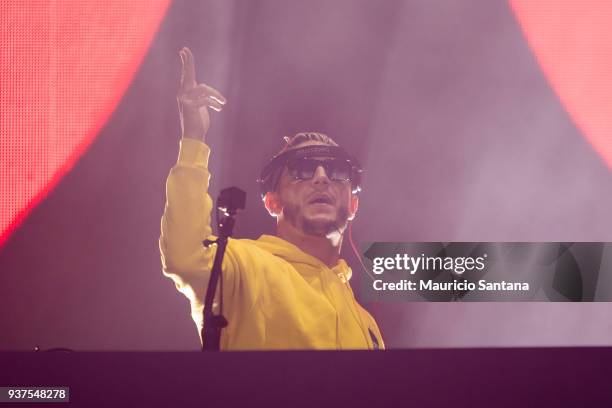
[293, 254]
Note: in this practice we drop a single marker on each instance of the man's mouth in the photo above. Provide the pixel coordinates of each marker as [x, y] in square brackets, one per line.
[321, 199]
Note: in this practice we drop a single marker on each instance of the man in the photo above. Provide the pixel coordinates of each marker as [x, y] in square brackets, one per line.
[289, 291]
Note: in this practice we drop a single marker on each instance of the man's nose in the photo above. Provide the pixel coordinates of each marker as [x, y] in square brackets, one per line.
[320, 176]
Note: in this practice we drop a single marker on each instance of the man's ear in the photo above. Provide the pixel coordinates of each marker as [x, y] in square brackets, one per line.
[353, 207]
[272, 203]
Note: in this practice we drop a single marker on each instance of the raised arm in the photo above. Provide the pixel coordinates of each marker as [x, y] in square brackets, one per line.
[187, 214]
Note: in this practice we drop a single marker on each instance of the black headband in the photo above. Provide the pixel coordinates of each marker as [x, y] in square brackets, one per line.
[270, 175]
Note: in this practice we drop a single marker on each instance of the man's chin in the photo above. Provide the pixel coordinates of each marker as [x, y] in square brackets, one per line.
[320, 226]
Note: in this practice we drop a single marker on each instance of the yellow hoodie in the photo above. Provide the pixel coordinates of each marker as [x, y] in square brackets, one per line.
[275, 296]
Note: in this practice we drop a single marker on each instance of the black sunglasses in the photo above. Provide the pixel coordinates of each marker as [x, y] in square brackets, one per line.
[302, 165]
[336, 169]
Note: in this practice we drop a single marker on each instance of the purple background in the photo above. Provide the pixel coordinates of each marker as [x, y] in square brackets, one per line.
[492, 377]
[461, 136]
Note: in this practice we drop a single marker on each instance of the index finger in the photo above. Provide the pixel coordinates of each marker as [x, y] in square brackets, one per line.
[188, 73]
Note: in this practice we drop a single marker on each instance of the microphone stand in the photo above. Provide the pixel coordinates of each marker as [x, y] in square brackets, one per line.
[230, 200]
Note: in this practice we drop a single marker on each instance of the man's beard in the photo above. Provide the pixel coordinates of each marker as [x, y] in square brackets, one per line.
[319, 228]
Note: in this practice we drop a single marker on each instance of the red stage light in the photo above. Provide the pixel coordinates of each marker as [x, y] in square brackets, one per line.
[571, 41]
[64, 65]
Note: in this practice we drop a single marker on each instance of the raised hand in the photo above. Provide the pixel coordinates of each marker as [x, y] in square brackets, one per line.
[194, 100]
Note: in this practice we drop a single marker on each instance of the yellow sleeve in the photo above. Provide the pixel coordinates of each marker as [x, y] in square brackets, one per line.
[186, 222]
